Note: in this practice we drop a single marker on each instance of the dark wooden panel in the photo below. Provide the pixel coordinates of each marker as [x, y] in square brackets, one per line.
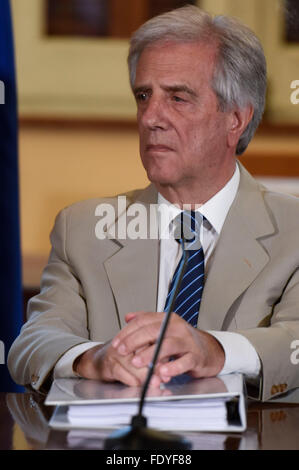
[271, 164]
[265, 129]
[292, 20]
[126, 16]
[111, 18]
[42, 122]
[77, 18]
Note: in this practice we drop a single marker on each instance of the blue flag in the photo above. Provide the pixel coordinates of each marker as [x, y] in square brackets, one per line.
[10, 257]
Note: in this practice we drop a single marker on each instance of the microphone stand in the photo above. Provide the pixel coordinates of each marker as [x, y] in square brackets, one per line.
[138, 436]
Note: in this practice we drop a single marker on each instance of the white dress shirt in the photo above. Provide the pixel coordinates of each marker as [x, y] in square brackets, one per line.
[240, 355]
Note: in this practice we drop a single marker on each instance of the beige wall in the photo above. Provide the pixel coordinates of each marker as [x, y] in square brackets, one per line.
[59, 167]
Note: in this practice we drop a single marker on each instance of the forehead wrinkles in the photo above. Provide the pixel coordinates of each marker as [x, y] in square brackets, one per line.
[187, 61]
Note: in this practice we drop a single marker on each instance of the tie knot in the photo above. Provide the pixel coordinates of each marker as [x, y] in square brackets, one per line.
[187, 229]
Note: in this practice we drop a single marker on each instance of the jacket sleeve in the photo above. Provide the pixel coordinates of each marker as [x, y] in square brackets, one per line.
[275, 344]
[57, 317]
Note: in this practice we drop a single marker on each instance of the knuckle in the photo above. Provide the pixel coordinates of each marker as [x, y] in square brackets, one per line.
[146, 356]
[112, 368]
[170, 342]
[139, 319]
[179, 367]
[193, 361]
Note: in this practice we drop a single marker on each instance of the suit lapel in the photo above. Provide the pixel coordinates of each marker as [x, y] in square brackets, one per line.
[239, 256]
[133, 269]
[237, 260]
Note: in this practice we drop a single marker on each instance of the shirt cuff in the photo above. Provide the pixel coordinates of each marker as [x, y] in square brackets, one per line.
[64, 367]
[240, 355]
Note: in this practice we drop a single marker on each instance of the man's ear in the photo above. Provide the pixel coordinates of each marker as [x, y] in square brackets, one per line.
[240, 119]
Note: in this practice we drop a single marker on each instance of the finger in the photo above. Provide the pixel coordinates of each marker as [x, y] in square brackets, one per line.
[141, 349]
[172, 346]
[117, 372]
[139, 321]
[130, 316]
[155, 381]
[181, 365]
[139, 339]
[146, 329]
[124, 372]
[115, 368]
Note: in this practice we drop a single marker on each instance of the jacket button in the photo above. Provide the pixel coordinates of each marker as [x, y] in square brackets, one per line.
[34, 379]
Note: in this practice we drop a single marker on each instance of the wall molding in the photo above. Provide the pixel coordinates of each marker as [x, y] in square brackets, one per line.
[266, 128]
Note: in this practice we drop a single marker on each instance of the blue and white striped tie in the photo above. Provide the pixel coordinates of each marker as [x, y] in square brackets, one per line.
[188, 299]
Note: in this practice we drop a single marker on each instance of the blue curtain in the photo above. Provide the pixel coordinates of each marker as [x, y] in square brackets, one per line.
[10, 258]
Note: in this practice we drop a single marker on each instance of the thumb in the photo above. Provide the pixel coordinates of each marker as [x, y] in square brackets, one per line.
[131, 315]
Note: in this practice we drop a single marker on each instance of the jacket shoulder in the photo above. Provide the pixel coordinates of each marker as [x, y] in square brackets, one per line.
[87, 208]
[284, 209]
[280, 201]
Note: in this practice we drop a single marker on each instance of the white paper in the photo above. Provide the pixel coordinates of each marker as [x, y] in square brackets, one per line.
[174, 415]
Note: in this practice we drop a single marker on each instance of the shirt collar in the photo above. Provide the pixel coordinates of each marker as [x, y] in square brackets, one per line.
[214, 210]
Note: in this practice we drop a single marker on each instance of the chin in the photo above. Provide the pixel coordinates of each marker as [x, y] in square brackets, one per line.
[160, 169]
[162, 179]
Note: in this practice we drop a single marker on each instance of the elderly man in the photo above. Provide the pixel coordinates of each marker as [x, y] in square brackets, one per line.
[199, 84]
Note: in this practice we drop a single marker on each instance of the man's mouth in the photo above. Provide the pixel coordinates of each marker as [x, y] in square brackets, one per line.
[158, 148]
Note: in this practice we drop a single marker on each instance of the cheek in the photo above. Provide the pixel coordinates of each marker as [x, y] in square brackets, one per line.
[142, 138]
[194, 139]
[204, 143]
[209, 134]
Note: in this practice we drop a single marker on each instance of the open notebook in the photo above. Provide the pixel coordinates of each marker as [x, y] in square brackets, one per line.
[213, 404]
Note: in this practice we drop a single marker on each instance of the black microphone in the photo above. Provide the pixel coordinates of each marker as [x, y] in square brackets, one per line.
[138, 436]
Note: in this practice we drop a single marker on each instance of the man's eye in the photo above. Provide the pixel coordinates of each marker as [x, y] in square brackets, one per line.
[177, 99]
[142, 96]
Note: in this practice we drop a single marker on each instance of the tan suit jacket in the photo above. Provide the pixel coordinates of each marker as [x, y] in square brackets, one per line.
[89, 285]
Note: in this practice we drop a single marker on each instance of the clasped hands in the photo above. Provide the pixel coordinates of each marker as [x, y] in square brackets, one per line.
[125, 359]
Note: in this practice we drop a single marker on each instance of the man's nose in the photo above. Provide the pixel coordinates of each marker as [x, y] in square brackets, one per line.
[154, 115]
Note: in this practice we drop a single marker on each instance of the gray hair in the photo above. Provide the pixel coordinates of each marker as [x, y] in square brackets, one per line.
[240, 76]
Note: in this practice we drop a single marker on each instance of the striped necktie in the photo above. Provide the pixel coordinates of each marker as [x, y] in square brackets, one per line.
[188, 299]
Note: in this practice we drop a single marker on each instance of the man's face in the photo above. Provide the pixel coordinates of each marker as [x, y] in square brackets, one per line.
[183, 135]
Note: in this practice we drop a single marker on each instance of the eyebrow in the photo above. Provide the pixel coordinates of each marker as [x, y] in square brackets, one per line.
[169, 88]
[181, 88]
